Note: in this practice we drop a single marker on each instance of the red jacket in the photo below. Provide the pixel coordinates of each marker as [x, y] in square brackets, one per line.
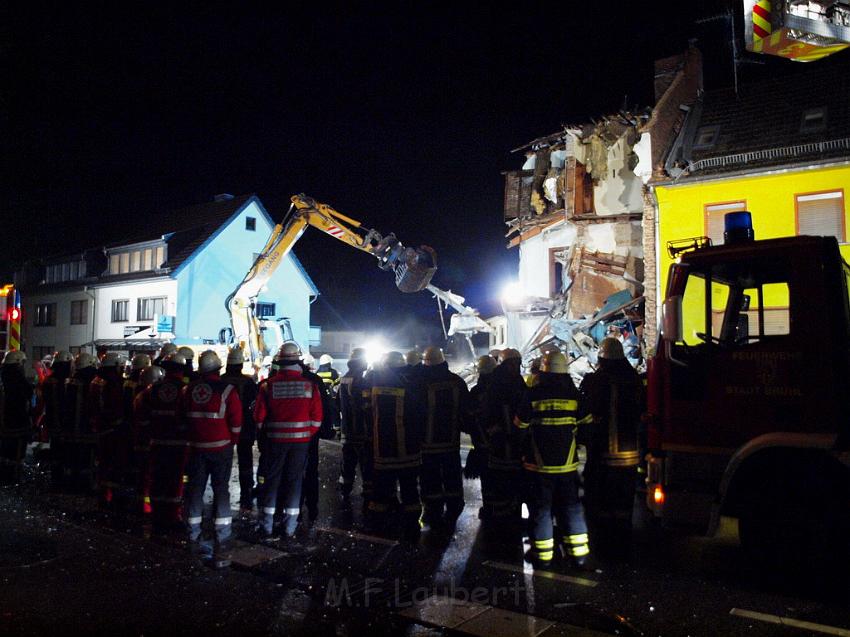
[156, 414]
[212, 412]
[289, 407]
[106, 401]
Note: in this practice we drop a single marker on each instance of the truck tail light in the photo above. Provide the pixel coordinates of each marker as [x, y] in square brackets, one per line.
[658, 495]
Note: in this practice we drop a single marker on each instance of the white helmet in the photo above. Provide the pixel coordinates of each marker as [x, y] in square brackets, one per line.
[209, 362]
[235, 356]
[326, 359]
[63, 357]
[554, 363]
[289, 351]
[433, 355]
[187, 352]
[150, 375]
[84, 360]
[113, 359]
[14, 357]
[309, 361]
[140, 361]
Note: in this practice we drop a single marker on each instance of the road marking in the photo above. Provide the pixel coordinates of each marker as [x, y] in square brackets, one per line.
[791, 623]
[358, 536]
[528, 570]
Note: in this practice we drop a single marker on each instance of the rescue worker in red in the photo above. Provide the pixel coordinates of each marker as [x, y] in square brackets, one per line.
[79, 440]
[106, 411]
[247, 389]
[355, 430]
[546, 424]
[137, 447]
[396, 409]
[189, 373]
[614, 395]
[289, 411]
[16, 425]
[501, 494]
[53, 398]
[158, 405]
[447, 409]
[212, 412]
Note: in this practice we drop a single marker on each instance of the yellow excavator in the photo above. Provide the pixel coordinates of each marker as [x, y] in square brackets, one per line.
[413, 267]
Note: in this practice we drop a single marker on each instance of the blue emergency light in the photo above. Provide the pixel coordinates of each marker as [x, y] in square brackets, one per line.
[738, 227]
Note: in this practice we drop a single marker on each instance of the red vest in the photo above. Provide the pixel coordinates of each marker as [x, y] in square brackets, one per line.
[213, 413]
[106, 402]
[157, 408]
[289, 407]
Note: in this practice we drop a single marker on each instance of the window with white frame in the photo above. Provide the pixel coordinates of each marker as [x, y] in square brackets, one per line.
[150, 307]
[821, 214]
[45, 314]
[143, 259]
[714, 218]
[79, 312]
[69, 271]
[120, 310]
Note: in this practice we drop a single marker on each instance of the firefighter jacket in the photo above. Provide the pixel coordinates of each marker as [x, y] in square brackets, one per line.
[106, 400]
[53, 397]
[478, 411]
[396, 410]
[76, 419]
[546, 423]
[446, 409]
[17, 402]
[289, 407]
[157, 413]
[353, 424]
[614, 395]
[212, 412]
[503, 398]
[247, 389]
[329, 376]
[329, 408]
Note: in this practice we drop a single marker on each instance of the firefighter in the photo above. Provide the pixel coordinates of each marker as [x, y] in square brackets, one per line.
[289, 411]
[614, 396]
[158, 405]
[546, 425]
[106, 411]
[189, 373]
[168, 348]
[501, 490]
[354, 429]
[141, 438]
[396, 413]
[53, 398]
[247, 389]
[16, 424]
[329, 376]
[135, 444]
[310, 486]
[79, 440]
[447, 408]
[212, 413]
[476, 460]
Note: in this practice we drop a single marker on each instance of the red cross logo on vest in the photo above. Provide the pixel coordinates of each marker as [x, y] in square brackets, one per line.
[201, 394]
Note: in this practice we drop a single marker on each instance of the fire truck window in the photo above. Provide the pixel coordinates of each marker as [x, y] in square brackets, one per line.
[777, 314]
[719, 304]
[693, 310]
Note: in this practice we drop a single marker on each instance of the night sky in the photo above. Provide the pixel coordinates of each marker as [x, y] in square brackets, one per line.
[399, 118]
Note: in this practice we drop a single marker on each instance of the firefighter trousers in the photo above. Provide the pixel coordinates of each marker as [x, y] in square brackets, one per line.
[214, 466]
[283, 475]
[245, 456]
[167, 472]
[501, 491]
[441, 481]
[111, 463]
[79, 462]
[609, 494]
[555, 495]
[354, 454]
[310, 487]
[13, 449]
[389, 482]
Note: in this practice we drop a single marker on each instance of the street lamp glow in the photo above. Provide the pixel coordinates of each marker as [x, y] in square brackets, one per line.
[513, 294]
[374, 349]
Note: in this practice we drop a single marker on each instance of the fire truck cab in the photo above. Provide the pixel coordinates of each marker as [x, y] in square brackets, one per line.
[749, 392]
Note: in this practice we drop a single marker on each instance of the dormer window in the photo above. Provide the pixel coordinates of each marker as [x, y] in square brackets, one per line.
[139, 260]
[706, 137]
[813, 120]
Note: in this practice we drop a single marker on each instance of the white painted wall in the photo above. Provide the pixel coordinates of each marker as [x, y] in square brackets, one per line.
[63, 335]
[534, 257]
[621, 191]
[106, 329]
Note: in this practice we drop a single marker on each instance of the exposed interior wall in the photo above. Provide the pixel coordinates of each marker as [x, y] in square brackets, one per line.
[620, 191]
[534, 257]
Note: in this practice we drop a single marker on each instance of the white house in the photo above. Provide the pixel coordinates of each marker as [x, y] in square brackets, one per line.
[165, 283]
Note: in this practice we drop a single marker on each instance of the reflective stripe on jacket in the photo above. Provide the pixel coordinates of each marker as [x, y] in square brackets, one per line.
[289, 407]
[212, 412]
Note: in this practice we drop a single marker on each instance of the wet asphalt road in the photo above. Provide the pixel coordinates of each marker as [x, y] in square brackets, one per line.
[66, 568]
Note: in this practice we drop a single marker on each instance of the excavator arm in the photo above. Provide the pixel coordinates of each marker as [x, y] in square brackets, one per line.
[413, 267]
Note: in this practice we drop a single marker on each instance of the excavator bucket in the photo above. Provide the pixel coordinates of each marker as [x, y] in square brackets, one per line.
[415, 269]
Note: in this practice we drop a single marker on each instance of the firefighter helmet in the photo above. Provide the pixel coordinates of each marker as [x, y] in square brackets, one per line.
[235, 356]
[168, 348]
[394, 360]
[509, 353]
[357, 354]
[140, 361]
[84, 360]
[433, 356]
[326, 359]
[14, 357]
[309, 361]
[554, 363]
[113, 359]
[611, 349]
[174, 360]
[187, 352]
[485, 365]
[209, 362]
[413, 357]
[63, 357]
[289, 351]
[150, 375]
